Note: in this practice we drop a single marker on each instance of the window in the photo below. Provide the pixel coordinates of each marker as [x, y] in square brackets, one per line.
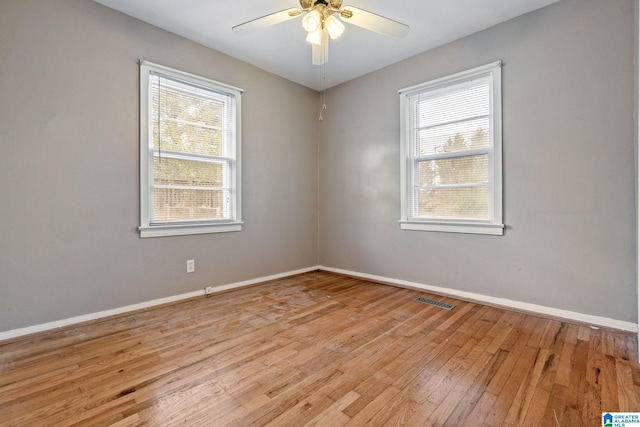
[451, 153]
[189, 154]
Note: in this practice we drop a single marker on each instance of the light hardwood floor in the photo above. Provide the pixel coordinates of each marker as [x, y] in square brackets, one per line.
[319, 349]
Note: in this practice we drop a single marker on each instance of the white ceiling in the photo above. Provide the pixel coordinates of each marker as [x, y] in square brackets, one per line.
[282, 49]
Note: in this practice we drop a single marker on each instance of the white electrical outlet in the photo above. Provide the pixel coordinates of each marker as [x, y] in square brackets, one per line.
[208, 290]
[191, 266]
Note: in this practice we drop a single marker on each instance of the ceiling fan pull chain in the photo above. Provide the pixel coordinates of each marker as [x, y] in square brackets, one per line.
[324, 106]
[324, 98]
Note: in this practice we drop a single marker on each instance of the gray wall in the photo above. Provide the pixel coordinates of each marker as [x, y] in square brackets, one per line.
[568, 166]
[69, 167]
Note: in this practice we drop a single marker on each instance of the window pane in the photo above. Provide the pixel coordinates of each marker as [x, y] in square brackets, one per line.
[189, 122]
[170, 204]
[454, 137]
[460, 170]
[457, 203]
[177, 172]
[187, 138]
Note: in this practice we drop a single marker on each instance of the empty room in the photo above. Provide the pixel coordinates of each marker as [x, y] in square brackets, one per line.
[304, 212]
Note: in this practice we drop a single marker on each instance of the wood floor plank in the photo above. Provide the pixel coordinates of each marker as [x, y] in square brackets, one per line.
[127, 422]
[367, 412]
[440, 384]
[555, 405]
[511, 387]
[444, 413]
[334, 416]
[581, 391]
[319, 349]
[476, 386]
[535, 411]
[626, 392]
[397, 406]
[457, 317]
[511, 361]
[420, 414]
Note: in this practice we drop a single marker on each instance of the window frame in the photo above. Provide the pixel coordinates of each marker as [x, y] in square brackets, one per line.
[147, 227]
[493, 226]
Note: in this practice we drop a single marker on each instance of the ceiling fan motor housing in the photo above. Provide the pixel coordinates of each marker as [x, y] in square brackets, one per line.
[332, 4]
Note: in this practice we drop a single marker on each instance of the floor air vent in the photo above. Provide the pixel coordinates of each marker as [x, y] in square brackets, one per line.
[436, 303]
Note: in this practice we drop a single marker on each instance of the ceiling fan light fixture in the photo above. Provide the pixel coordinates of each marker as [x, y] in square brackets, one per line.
[321, 23]
[334, 27]
[315, 37]
[312, 21]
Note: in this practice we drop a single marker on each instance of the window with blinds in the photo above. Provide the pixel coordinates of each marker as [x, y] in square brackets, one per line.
[451, 153]
[189, 154]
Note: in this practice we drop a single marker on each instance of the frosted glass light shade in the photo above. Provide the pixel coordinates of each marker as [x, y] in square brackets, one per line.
[312, 21]
[315, 37]
[334, 27]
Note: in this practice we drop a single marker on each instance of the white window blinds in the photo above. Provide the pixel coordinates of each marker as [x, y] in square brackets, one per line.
[190, 151]
[450, 152]
[449, 162]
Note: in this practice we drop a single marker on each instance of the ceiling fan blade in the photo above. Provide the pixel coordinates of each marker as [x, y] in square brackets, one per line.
[266, 21]
[372, 22]
[320, 53]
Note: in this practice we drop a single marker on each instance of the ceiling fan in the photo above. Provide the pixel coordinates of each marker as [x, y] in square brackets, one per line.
[320, 23]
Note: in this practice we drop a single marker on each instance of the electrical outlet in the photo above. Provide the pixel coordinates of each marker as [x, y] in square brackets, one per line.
[208, 290]
[191, 266]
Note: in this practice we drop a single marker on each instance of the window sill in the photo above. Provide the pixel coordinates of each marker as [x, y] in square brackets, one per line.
[187, 229]
[454, 227]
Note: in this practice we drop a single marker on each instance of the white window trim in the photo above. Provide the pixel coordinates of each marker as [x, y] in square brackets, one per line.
[146, 228]
[493, 226]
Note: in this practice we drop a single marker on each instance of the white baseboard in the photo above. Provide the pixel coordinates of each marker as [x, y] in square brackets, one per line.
[502, 302]
[143, 305]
